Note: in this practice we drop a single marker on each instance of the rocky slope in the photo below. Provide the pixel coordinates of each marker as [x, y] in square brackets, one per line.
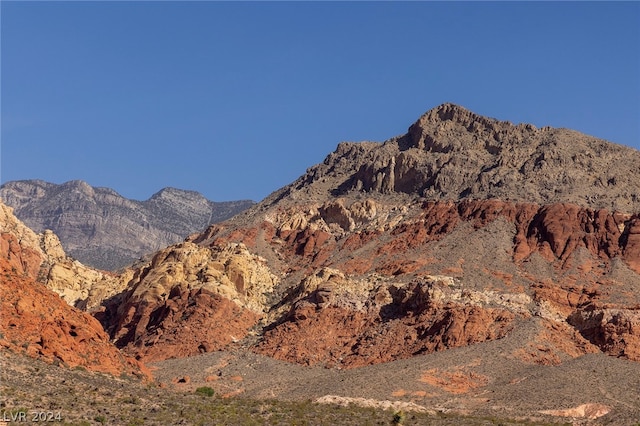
[500, 245]
[35, 320]
[451, 153]
[370, 257]
[41, 257]
[101, 228]
[189, 299]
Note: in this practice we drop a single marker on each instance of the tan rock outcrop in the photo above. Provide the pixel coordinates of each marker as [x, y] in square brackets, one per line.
[589, 411]
[36, 321]
[41, 257]
[336, 212]
[231, 271]
[190, 299]
[372, 403]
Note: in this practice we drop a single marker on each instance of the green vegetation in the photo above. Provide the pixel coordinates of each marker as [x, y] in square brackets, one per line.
[205, 391]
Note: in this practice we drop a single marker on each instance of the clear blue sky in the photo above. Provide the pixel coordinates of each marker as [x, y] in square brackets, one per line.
[235, 100]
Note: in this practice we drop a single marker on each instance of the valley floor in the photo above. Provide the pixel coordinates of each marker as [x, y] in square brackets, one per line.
[472, 385]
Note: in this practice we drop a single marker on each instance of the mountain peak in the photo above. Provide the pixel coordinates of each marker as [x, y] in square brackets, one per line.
[449, 112]
[439, 128]
[171, 192]
[79, 186]
[457, 114]
[453, 153]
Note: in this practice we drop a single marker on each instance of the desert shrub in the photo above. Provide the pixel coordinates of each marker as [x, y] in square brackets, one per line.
[205, 391]
[130, 400]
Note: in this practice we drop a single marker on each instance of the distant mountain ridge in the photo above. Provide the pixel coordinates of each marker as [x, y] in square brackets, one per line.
[101, 228]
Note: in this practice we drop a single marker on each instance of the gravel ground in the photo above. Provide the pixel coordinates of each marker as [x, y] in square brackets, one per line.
[479, 380]
[32, 390]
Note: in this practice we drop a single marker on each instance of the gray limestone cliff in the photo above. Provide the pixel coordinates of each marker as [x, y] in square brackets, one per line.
[103, 229]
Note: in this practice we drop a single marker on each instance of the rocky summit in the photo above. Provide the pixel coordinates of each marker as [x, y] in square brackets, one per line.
[451, 153]
[458, 268]
[101, 228]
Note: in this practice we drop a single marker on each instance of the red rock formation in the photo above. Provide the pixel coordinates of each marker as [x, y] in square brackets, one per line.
[631, 250]
[614, 330]
[557, 230]
[412, 323]
[37, 322]
[578, 243]
[186, 324]
[20, 259]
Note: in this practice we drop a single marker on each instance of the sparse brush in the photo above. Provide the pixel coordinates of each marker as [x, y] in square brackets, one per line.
[205, 391]
[398, 418]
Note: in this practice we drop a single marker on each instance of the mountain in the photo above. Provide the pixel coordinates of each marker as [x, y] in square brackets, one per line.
[465, 265]
[451, 153]
[34, 320]
[101, 228]
[403, 248]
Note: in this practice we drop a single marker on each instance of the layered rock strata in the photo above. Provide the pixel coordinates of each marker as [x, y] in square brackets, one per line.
[105, 230]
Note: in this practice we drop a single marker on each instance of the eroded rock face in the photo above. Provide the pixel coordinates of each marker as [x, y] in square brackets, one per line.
[512, 261]
[189, 299]
[390, 323]
[615, 331]
[187, 323]
[41, 257]
[453, 153]
[20, 244]
[37, 322]
[631, 238]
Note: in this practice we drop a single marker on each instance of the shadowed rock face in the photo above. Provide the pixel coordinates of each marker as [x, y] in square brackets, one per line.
[396, 323]
[101, 228]
[187, 323]
[188, 299]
